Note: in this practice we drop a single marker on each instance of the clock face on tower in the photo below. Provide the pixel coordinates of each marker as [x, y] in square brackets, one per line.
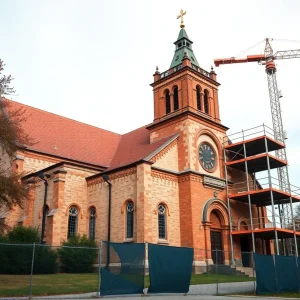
[207, 157]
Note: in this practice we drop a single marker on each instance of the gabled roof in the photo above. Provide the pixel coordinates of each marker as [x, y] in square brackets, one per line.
[136, 146]
[67, 138]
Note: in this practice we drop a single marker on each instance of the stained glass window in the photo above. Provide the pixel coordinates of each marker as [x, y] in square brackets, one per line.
[129, 220]
[73, 220]
[92, 225]
[162, 231]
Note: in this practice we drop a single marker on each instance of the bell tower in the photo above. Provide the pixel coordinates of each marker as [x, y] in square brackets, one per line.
[184, 95]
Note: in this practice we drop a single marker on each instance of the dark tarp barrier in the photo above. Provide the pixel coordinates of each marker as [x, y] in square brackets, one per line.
[265, 274]
[287, 273]
[298, 271]
[124, 269]
[170, 269]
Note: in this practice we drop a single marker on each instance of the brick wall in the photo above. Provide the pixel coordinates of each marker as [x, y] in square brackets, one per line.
[165, 190]
[123, 189]
[168, 159]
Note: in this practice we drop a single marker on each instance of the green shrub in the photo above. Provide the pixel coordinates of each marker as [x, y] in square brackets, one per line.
[23, 235]
[80, 259]
[16, 255]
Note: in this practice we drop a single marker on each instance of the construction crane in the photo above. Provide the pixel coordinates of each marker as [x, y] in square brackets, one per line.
[268, 59]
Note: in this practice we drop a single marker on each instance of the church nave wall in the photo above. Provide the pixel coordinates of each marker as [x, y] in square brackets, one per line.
[165, 190]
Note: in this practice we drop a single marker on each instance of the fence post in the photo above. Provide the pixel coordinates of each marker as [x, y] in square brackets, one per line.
[217, 275]
[31, 272]
[145, 267]
[99, 267]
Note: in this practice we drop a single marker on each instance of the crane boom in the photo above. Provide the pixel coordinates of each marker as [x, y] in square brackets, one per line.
[287, 54]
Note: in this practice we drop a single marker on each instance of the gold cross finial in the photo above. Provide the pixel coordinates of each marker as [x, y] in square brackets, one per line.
[182, 13]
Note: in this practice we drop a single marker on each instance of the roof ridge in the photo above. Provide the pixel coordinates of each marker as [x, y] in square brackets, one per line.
[48, 112]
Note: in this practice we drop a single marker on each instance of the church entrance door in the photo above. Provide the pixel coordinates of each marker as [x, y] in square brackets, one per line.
[216, 244]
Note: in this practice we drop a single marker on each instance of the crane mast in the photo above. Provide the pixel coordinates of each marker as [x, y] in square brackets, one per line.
[267, 59]
[274, 95]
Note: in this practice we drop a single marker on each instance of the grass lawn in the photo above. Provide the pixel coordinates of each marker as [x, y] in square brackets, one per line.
[18, 285]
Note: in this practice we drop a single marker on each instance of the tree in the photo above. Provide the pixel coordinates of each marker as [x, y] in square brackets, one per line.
[12, 138]
[297, 213]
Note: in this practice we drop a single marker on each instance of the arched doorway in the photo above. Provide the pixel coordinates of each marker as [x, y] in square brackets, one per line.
[216, 237]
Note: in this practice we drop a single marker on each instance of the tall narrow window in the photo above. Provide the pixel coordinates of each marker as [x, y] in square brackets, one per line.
[73, 220]
[176, 102]
[162, 230]
[168, 102]
[198, 90]
[92, 225]
[206, 107]
[129, 220]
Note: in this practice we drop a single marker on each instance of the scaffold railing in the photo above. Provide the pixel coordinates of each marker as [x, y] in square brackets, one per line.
[259, 184]
[263, 223]
[261, 130]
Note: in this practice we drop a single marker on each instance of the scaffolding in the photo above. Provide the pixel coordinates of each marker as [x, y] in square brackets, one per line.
[248, 151]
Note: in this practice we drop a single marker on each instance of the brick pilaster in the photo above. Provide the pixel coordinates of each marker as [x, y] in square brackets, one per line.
[143, 203]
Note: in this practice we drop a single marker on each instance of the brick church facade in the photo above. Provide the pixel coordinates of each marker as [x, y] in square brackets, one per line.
[166, 179]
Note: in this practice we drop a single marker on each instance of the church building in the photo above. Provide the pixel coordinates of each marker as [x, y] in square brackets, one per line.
[163, 183]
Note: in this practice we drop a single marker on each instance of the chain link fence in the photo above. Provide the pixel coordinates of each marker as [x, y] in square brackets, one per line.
[34, 270]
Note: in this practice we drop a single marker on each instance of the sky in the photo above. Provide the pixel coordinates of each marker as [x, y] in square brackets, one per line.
[93, 60]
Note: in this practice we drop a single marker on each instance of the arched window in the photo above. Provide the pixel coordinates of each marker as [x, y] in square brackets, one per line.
[198, 90]
[206, 110]
[168, 101]
[129, 220]
[176, 102]
[162, 228]
[92, 223]
[73, 220]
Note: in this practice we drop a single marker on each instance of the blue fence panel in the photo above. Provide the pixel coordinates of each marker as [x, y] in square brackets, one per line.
[124, 272]
[265, 274]
[287, 273]
[170, 269]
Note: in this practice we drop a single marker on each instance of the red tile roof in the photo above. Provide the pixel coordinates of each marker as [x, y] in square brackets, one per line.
[70, 139]
[135, 146]
[67, 138]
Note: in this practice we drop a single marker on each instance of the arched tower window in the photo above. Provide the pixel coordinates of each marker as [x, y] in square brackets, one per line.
[92, 223]
[206, 110]
[198, 91]
[73, 221]
[176, 102]
[162, 228]
[129, 219]
[168, 101]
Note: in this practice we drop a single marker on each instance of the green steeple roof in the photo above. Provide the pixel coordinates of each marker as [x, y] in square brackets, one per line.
[183, 44]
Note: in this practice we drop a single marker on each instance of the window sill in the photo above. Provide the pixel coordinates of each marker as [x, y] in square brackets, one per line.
[161, 241]
[129, 240]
